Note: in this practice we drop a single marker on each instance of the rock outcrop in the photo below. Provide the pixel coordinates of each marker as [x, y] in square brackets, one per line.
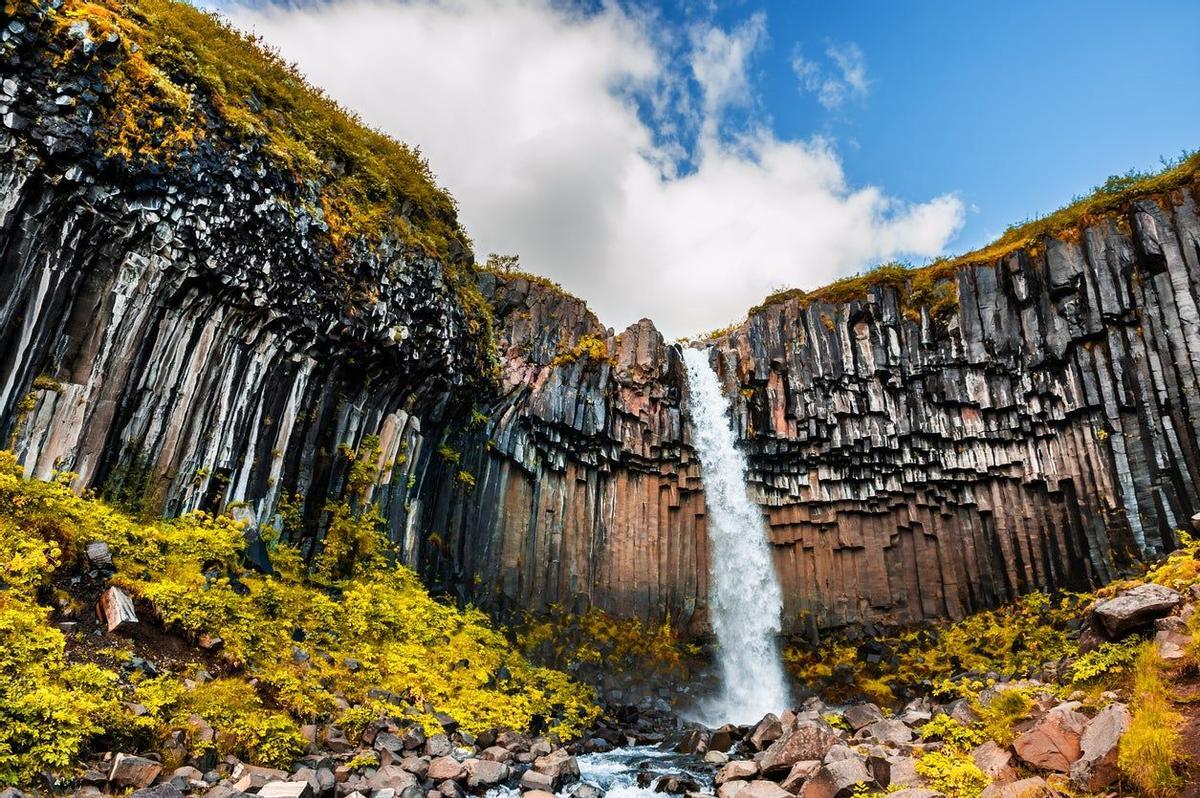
[187, 335]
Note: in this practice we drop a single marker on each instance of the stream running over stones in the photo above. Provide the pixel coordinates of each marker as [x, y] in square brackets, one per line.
[630, 772]
[745, 598]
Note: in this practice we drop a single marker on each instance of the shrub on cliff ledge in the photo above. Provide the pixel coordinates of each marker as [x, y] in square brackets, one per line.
[304, 643]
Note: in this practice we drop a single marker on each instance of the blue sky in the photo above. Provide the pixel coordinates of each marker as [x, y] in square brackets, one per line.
[1017, 106]
[680, 161]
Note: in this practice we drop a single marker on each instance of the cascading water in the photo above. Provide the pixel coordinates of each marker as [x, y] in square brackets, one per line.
[745, 598]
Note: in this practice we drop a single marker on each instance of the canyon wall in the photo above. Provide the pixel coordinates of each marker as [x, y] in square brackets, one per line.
[185, 334]
[1041, 435]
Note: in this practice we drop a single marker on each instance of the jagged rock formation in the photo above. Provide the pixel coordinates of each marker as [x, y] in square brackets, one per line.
[1043, 436]
[187, 334]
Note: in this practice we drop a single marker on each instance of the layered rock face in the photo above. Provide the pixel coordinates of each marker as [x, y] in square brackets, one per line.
[185, 336]
[1041, 437]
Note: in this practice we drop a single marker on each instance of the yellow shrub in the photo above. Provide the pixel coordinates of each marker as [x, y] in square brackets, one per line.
[590, 347]
[952, 772]
[190, 569]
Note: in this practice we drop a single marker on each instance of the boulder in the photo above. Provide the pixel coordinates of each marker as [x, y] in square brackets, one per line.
[1053, 742]
[133, 771]
[739, 769]
[1035, 787]
[902, 772]
[859, 716]
[995, 762]
[676, 784]
[115, 610]
[484, 773]
[837, 779]
[391, 777]
[1136, 607]
[799, 773]
[723, 738]
[1096, 767]
[765, 732]
[761, 788]
[445, 768]
[588, 791]
[891, 731]
[732, 789]
[809, 740]
[164, 790]
[438, 745]
[694, 741]
[1172, 645]
[539, 794]
[496, 753]
[286, 789]
[559, 766]
[248, 778]
[716, 758]
[532, 780]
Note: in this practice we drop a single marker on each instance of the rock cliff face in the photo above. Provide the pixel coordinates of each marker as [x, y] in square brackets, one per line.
[1041, 436]
[186, 334]
[183, 334]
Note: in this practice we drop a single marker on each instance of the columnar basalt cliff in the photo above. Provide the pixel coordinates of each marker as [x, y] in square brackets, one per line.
[203, 329]
[1039, 436]
[184, 332]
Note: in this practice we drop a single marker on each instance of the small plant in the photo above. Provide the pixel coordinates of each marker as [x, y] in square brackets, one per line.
[952, 772]
[589, 347]
[1107, 658]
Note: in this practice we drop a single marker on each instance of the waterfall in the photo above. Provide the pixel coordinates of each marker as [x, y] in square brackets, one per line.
[745, 599]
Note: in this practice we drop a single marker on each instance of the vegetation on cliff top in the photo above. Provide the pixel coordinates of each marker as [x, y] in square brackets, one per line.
[931, 286]
[294, 647]
[175, 64]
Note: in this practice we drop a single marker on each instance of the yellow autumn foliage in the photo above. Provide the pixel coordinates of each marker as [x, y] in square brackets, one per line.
[305, 640]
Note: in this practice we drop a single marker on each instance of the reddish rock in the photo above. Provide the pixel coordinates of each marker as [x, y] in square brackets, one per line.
[765, 732]
[559, 766]
[836, 780]
[760, 788]
[1053, 742]
[485, 774]
[445, 768]
[732, 789]
[799, 773]
[808, 741]
[995, 762]
[133, 771]
[738, 769]
[115, 610]
[1035, 787]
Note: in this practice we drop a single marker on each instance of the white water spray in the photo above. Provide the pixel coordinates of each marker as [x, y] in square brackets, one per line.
[745, 598]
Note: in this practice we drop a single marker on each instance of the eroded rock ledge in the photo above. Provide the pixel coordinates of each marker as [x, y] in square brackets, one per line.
[1043, 436]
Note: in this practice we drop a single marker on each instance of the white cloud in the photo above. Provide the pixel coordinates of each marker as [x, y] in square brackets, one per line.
[844, 75]
[527, 113]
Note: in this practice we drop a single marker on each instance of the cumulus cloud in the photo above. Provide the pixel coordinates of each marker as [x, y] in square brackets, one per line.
[571, 139]
[844, 74]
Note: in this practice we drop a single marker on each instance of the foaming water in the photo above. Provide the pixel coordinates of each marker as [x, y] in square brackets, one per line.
[745, 599]
[616, 772]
